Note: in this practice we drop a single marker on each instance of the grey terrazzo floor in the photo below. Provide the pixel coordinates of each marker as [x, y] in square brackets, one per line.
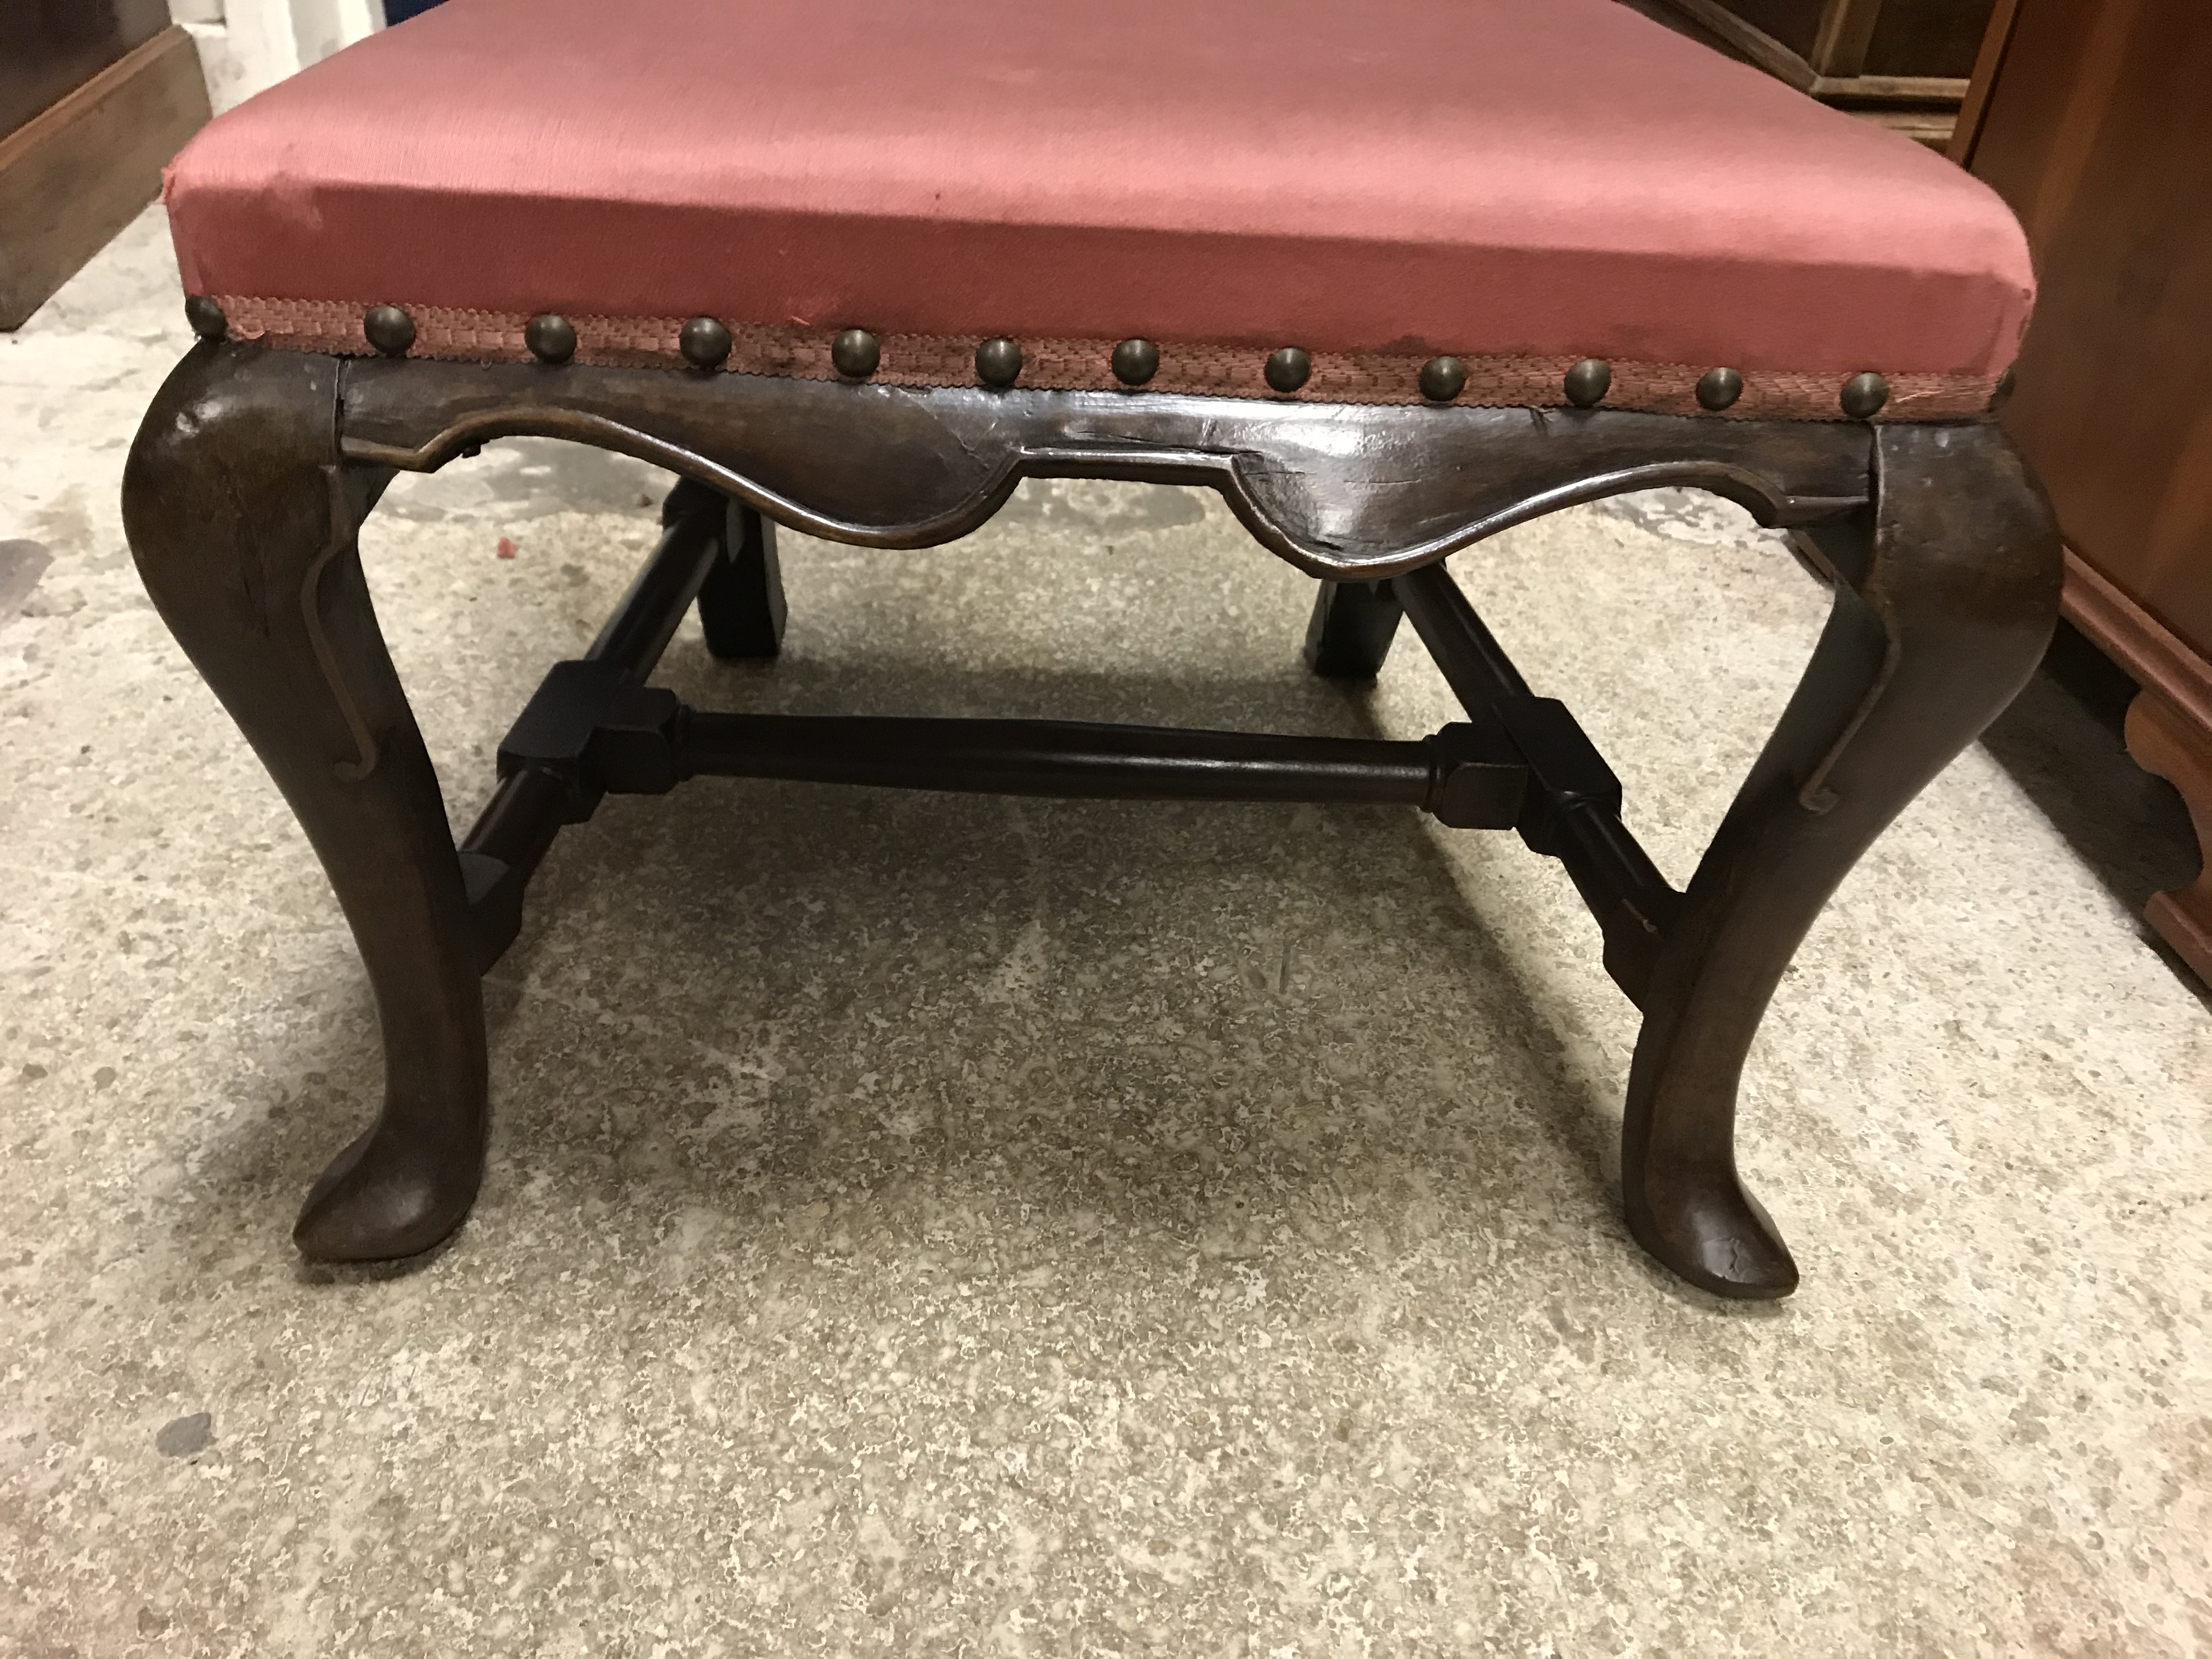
[930, 1224]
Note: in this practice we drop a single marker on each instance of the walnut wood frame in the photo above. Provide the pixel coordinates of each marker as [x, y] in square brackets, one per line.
[255, 467]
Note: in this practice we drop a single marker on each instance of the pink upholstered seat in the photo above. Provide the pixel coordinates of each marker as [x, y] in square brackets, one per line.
[1523, 183]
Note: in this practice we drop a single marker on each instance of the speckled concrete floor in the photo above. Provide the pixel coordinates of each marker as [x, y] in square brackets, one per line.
[929, 1224]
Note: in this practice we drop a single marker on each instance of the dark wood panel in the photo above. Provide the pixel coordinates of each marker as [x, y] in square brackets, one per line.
[2169, 733]
[1927, 36]
[1344, 492]
[1902, 63]
[2090, 116]
[1794, 23]
[1851, 38]
[48, 48]
[79, 172]
[1989, 63]
[2099, 133]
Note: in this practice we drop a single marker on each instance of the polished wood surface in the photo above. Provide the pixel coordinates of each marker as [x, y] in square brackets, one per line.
[244, 527]
[1358, 491]
[253, 469]
[2169, 731]
[77, 173]
[2096, 126]
[2099, 135]
[49, 48]
[2166, 741]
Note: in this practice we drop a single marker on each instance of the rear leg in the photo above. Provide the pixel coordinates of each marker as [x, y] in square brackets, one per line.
[1352, 626]
[741, 606]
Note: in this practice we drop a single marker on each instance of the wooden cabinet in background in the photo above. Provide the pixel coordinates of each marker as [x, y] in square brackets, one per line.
[2093, 119]
[96, 97]
[1903, 62]
[51, 47]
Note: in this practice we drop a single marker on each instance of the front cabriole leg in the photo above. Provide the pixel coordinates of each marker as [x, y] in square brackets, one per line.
[1947, 591]
[242, 521]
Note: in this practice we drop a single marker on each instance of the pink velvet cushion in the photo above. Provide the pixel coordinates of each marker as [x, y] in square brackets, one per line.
[1519, 178]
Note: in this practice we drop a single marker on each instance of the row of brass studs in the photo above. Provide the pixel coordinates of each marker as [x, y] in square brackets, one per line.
[705, 343]
[998, 363]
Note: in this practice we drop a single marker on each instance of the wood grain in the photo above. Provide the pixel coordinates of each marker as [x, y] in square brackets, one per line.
[2166, 741]
[1896, 63]
[2096, 129]
[2099, 133]
[1927, 36]
[1989, 63]
[2169, 733]
[1846, 31]
[74, 176]
[48, 48]
[1342, 491]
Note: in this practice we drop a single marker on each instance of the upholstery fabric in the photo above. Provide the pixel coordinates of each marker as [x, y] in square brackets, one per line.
[1513, 179]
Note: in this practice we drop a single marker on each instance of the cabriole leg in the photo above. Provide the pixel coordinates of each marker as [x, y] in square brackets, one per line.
[1947, 593]
[243, 524]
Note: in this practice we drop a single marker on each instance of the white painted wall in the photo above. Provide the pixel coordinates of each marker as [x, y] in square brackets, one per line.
[246, 45]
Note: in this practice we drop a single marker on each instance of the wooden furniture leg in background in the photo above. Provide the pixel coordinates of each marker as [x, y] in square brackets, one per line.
[1352, 626]
[741, 605]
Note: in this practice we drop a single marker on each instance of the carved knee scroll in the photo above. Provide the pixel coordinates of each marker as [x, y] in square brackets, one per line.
[242, 519]
[1947, 593]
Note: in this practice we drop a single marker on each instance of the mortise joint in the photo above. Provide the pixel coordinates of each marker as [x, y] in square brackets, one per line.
[1566, 771]
[592, 734]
